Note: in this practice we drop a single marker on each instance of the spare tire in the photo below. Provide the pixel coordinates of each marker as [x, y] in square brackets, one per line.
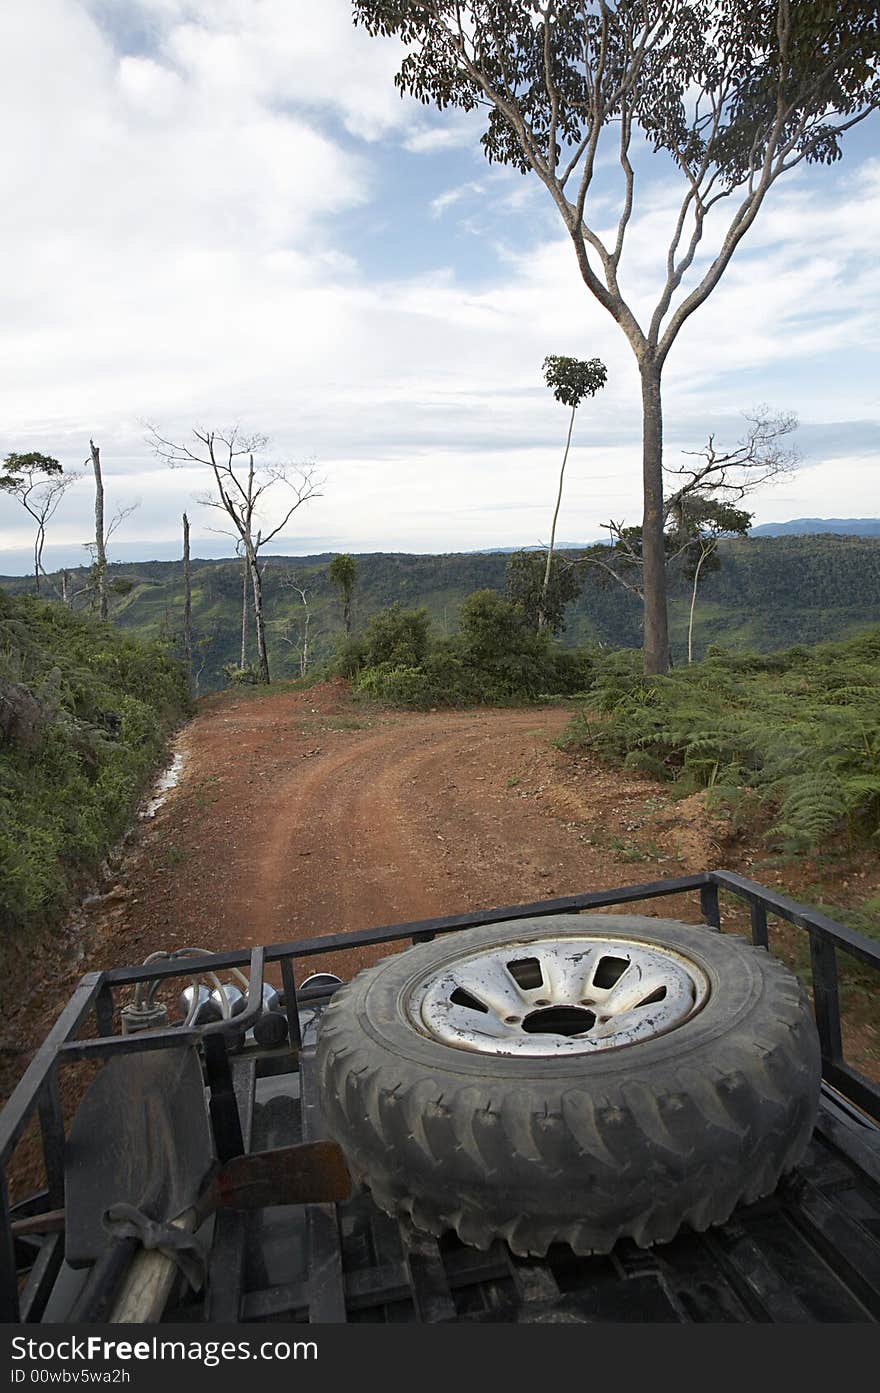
[575, 1078]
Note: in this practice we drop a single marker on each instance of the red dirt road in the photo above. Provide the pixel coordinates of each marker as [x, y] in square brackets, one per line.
[298, 815]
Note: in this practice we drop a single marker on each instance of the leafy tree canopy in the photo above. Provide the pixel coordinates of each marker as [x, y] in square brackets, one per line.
[343, 572]
[524, 581]
[572, 379]
[812, 63]
[19, 469]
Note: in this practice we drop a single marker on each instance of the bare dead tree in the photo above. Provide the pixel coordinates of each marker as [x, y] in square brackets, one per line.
[100, 552]
[98, 549]
[245, 591]
[302, 640]
[762, 455]
[242, 493]
[98, 588]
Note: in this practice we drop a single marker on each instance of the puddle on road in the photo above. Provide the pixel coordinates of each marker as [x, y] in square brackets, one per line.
[163, 786]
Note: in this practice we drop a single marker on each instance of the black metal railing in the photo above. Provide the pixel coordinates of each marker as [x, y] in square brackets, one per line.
[96, 996]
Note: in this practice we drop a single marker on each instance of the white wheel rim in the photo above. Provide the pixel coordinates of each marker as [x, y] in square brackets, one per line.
[557, 996]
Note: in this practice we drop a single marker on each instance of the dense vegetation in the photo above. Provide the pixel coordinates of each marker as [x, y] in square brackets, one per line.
[496, 657]
[84, 714]
[787, 741]
[766, 592]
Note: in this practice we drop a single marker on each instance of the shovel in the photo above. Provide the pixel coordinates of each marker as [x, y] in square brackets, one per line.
[140, 1143]
[311, 1173]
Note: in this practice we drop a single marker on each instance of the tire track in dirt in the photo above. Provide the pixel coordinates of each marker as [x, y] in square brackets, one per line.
[388, 833]
[301, 814]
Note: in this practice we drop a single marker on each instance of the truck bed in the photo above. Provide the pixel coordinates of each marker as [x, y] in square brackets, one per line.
[811, 1252]
[808, 1253]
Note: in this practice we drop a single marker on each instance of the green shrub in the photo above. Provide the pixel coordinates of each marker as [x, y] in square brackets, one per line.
[237, 676]
[397, 636]
[496, 658]
[351, 656]
[396, 684]
[106, 704]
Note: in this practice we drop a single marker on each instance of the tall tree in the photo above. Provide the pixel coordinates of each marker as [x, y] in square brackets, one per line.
[571, 379]
[100, 568]
[103, 532]
[707, 521]
[736, 92]
[343, 573]
[242, 489]
[187, 606]
[39, 484]
[245, 591]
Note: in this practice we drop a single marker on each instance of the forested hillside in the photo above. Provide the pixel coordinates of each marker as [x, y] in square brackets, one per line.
[768, 593]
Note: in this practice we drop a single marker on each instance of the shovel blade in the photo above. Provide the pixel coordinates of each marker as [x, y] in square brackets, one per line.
[312, 1173]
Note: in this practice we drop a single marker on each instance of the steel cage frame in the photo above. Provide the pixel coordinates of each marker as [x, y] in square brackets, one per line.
[37, 1094]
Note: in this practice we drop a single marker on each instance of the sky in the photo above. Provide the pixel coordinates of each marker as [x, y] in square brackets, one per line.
[221, 213]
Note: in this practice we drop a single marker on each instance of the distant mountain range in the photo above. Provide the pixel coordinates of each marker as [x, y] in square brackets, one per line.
[559, 546]
[768, 592]
[799, 527]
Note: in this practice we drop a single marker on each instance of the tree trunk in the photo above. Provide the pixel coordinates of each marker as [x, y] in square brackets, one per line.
[187, 607]
[346, 612]
[100, 548]
[542, 606]
[704, 552]
[66, 597]
[244, 611]
[656, 629]
[257, 582]
[304, 657]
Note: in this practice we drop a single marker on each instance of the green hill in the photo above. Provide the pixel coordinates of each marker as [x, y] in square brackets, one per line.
[769, 593]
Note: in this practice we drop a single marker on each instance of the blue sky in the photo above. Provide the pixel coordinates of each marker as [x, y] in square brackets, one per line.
[221, 211]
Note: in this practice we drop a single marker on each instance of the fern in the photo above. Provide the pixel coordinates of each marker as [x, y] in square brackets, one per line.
[793, 737]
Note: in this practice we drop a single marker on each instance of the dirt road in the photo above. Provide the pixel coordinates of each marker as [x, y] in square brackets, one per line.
[299, 815]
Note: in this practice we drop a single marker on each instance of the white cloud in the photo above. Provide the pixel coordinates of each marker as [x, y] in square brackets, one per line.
[452, 134]
[448, 199]
[283, 50]
[189, 251]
